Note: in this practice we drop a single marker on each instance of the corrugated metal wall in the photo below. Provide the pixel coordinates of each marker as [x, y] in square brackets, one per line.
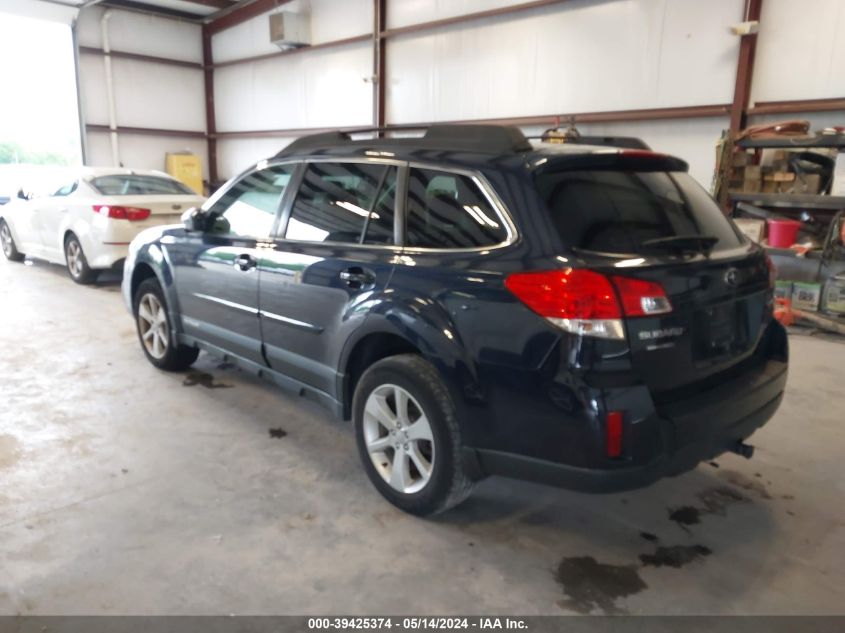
[578, 56]
[147, 94]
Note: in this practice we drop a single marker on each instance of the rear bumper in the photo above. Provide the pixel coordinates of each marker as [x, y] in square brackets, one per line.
[107, 255]
[697, 430]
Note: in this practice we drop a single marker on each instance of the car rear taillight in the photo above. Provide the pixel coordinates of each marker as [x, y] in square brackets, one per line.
[613, 433]
[641, 298]
[586, 302]
[133, 214]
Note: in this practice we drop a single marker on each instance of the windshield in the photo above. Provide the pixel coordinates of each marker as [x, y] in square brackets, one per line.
[624, 212]
[134, 185]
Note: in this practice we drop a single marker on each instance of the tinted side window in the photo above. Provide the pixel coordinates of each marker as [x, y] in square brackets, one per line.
[249, 207]
[335, 201]
[66, 190]
[380, 225]
[449, 211]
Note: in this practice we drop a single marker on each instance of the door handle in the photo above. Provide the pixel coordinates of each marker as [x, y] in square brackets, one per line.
[356, 277]
[245, 262]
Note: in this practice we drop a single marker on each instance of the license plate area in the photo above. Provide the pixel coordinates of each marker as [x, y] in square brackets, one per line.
[721, 331]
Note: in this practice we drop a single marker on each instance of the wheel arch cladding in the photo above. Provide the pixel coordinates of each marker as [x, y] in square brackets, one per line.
[398, 327]
[140, 273]
[369, 348]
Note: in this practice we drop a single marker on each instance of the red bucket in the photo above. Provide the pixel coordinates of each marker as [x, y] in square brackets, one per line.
[782, 233]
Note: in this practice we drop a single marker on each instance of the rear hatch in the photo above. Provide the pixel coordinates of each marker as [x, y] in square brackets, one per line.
[641, 216]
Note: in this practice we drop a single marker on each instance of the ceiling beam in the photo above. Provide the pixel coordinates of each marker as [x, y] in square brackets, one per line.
[214, 4]
[471, 17]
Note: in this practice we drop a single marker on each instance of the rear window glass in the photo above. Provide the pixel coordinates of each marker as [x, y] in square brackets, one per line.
[614, 211]
[133, 185]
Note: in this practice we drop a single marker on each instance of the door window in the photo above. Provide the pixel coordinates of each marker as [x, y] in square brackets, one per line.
[66, 190]
[344, 202]
[448, 210]
[248, 208]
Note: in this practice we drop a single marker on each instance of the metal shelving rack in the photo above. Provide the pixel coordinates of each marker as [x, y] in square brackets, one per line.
[818, 265]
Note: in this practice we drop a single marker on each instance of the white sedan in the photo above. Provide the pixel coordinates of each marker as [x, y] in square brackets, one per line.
[87, 224]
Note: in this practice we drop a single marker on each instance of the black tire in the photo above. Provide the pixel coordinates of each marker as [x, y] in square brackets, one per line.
[77, 264]
[10, 249]
[448, 484]
[174, 357]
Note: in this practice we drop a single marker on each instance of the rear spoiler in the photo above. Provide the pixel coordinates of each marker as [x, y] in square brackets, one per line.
[624, 159]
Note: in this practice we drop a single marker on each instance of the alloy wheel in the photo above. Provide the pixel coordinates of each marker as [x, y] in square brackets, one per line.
[74, 258]
[398, 438]
[152, 326]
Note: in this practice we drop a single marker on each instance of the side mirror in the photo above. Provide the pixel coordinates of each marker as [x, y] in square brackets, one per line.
[22, 195]
[193, 219]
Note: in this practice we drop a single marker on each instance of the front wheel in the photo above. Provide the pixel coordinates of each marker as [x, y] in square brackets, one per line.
[154, 330]
[77, 264]
[10, 250]
[408, 436]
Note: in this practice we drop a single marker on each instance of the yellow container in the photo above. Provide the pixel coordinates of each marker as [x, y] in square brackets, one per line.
[186, 168]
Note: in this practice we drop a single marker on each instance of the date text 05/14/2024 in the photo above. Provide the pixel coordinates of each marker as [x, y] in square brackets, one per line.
[415, 623]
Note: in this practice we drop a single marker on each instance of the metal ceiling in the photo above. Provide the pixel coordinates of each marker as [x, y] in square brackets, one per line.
[195, 10]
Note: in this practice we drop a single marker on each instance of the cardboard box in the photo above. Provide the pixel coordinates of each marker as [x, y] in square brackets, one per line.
[783, 289]
[745, 186]
[751, 228]
[748, 172]
[807, 183]
[778, 182]
[806, 296]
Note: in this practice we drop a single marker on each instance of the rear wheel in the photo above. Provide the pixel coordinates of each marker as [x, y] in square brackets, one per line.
[408, 436]
[10, 250]
[154, 330]
[77, 264]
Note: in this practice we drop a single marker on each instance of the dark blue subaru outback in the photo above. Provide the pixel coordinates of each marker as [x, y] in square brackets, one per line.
[575, 314]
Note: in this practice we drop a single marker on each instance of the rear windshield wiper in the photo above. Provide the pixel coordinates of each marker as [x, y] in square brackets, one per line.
[694, 243]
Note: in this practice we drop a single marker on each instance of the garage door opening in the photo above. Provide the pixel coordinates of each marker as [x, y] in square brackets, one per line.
[39, 114]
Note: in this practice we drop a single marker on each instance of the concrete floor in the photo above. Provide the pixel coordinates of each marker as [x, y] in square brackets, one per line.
[125, 490]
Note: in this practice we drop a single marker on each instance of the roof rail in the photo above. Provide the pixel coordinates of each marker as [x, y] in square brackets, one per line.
[498, 139]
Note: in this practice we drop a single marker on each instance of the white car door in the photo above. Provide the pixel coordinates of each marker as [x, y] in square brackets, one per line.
[19, 215]
[50, 217]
